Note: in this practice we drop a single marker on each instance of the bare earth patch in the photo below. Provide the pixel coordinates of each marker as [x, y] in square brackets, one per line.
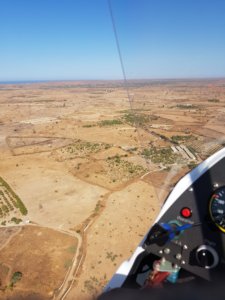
[49, 254]
[53, 196]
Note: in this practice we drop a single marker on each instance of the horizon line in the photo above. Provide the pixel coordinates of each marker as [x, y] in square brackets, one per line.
[27, 81]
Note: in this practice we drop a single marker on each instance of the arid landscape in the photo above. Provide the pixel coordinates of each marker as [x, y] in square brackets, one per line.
[84, 172]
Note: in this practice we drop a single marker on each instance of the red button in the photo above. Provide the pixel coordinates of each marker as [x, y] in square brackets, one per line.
[186, 212]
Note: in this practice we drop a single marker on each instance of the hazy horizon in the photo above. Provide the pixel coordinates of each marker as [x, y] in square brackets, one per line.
[108, 80]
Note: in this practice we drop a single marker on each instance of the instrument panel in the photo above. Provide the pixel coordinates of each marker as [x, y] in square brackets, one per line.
[200, 211]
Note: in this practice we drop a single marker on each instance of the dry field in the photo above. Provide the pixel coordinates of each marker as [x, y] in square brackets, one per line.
[41, 255]
[88, 169]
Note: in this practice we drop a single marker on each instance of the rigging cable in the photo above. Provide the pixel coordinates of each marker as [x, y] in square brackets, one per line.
[160, 199]
[130, 99]
[126, 85]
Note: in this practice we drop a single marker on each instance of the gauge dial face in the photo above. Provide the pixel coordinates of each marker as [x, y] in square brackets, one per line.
[217, 208]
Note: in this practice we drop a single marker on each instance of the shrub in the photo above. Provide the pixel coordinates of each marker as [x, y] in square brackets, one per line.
[110, 122]
[15, 278]
[214, 100]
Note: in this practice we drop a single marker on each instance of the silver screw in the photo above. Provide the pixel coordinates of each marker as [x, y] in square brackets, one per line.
[178, 256]
[166, 251]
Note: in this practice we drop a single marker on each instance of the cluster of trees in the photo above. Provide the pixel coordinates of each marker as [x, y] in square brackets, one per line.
[16, 220]
[138, 119]
[161, 155]
[6, 206]
[13, 197]
[110, 122]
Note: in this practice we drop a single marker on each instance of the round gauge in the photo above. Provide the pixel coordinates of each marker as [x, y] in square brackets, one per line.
[217, 208]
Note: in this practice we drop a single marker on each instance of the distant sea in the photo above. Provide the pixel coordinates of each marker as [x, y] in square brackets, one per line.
[23, 81]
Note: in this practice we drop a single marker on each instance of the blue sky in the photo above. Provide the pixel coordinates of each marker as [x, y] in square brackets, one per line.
[73, 39]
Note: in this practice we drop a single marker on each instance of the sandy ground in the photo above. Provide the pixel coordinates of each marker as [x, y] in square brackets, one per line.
[55, 198]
